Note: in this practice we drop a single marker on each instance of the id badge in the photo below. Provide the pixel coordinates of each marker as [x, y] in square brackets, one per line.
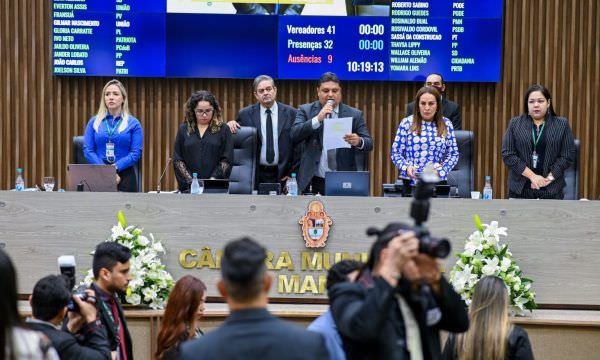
[534, 159]
[110, 152]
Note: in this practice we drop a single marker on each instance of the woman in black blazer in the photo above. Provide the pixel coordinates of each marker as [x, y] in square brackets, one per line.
[537, 148]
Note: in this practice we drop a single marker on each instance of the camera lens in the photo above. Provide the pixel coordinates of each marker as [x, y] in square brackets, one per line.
[434, 247]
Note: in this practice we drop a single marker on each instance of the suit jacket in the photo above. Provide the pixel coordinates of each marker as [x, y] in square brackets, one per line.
[450, 110]
[111, 331]
[371, 323]
[288, 161]
[94, 344]
[311, 141]
[517, 150]
[256, 334]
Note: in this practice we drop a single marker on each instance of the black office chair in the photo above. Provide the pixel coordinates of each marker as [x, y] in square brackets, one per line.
[77, 153]
[241, 180]
[571, 189]
[79, 158]
[362, 160]
[462, 176]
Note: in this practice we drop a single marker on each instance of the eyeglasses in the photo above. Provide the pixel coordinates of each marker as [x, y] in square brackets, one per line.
[200, 112]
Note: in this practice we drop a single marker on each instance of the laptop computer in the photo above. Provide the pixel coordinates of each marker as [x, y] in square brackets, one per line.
[441, 190]
[216, 186]
[269, 189]
[347, 183]
[91, 177]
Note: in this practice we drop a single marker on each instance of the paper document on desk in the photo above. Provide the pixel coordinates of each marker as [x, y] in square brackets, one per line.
[334, 131]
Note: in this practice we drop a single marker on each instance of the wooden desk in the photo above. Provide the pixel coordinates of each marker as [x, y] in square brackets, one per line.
[554, 334]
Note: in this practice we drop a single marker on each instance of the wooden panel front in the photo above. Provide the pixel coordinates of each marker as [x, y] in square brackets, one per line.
[554, 243]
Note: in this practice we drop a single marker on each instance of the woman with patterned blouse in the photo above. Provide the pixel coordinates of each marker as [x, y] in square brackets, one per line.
[425, 138]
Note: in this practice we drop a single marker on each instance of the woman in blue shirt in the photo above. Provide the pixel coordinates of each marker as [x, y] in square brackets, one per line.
[114, 136]
[425, 138]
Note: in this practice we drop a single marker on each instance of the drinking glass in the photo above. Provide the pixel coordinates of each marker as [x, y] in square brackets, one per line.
[48, 183]
[201, 184]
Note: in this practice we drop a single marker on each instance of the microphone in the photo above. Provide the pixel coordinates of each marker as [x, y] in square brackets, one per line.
[162, 175]
[329, 102]
[80, 185]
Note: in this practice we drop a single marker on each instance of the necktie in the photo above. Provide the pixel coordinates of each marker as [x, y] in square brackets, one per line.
[115, 311]
[270, 142]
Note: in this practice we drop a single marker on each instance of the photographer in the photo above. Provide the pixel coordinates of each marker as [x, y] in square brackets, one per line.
[399, 303]
[82, 336]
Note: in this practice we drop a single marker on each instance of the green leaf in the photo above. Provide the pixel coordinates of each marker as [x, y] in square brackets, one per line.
[503, 251]
[121, 218]
[478, 223]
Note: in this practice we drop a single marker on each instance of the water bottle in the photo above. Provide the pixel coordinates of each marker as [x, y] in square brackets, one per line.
[195, 188]
[292, 186]
[487, 188]
[19, 183]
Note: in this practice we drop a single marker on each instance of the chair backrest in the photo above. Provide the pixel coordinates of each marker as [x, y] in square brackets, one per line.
[241, 180]
[462, 176]
[571, 189]
[362, 160]
[78, 158]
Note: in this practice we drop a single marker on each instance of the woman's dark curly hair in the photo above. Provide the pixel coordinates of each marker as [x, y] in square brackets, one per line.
[190, 111]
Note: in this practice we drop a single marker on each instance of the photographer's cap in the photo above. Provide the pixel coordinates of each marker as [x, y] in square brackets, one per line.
[384, 236]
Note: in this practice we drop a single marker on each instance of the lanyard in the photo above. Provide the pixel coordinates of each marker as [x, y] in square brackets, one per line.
[111, 130]
[114, 327]
[536, 139]
[108, 311]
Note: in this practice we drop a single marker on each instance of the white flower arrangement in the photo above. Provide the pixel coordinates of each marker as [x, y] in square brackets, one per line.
[150, 282]
[485, 255]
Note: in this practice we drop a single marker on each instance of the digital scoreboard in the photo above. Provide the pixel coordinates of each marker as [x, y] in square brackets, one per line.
[357, 39]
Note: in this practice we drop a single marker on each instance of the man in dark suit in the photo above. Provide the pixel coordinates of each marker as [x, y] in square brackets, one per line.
[307, 130]
[111, 270]
[273, 121]
[450, 109]
[82, 336]
[250, 331]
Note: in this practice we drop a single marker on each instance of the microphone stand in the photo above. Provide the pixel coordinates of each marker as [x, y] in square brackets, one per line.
[162, 175]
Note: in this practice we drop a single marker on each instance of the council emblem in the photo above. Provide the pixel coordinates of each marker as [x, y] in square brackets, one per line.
[315, 225]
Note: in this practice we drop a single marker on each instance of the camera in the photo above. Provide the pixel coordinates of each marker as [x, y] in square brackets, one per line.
[419, 211]
[66, 264]
[84, 296]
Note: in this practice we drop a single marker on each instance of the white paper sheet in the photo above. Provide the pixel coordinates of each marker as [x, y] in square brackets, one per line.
[334, 131]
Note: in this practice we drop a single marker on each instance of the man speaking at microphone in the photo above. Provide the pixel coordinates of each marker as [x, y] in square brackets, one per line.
[307, 131]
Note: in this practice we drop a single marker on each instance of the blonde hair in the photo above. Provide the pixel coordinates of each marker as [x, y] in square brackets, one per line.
[487, 337]
[103, 110]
